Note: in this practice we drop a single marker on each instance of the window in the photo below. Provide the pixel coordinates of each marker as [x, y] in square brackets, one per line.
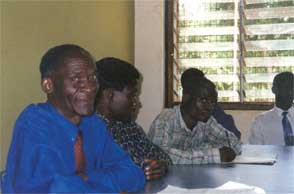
[239, 44]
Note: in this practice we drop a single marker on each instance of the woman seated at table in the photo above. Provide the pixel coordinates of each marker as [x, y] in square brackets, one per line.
[117, 103]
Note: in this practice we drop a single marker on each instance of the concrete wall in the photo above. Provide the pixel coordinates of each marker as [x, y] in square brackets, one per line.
[149, 57]
[243, 119]
[29, 28]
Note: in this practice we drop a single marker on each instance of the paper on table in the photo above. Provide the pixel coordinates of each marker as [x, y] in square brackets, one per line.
[255, 157]
[228, 188]
[235, 186]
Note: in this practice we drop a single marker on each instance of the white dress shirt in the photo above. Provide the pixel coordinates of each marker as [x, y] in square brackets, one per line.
[267, 128]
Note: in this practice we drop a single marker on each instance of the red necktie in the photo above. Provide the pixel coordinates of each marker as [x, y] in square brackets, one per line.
[79, 154]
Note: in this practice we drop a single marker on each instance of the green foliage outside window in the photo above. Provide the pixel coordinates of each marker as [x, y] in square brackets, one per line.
[255, 78]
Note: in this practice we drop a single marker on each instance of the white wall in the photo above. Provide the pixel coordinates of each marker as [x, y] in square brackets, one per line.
[149, 59]
[243, 119]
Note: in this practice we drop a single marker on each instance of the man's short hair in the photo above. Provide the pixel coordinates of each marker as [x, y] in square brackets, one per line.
[194, 83]
[200, 87]
[281, 79]
[54, 56]
[116, 73]
[189, 74]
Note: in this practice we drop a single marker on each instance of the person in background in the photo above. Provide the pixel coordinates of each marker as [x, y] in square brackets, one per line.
[276, 126]
[117, 103]
[188, 132]
[220, 116]
[60, 146]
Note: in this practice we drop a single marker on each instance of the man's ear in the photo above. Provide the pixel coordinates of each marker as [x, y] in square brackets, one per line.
[47, 85]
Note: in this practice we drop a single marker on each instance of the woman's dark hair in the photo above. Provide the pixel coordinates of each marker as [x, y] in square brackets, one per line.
[116, 73]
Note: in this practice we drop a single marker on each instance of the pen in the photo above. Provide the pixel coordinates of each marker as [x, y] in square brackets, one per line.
[227, 134]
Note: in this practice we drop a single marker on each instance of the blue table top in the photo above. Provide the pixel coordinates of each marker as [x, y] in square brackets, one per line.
[274, 179]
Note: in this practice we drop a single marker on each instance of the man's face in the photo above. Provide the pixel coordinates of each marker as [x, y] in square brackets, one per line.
[124, 103]
[75, 87]
[284, 95]
[202, 106]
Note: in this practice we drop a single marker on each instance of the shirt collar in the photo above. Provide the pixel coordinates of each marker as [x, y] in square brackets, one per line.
[182, 122]
[291, 111]
[72, 129]
[113, 122]
[103, 117]
[179, 115]
[279, 111]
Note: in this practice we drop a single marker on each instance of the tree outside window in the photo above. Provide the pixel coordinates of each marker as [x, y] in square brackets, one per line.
[239, 44]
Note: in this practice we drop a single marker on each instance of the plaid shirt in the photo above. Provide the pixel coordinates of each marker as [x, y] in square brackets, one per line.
[184, 146]
[132, 138]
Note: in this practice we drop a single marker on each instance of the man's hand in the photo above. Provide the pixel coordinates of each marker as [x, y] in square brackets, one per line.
[227, 154]
[154, 169]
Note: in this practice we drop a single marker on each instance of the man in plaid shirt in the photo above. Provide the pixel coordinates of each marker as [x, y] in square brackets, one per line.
[189, 133]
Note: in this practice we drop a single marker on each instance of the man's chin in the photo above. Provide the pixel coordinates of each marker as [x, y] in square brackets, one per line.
[85, 112]
[204, 119]
[285, 107]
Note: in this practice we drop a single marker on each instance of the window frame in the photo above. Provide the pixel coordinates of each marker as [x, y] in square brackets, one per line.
[169, 69]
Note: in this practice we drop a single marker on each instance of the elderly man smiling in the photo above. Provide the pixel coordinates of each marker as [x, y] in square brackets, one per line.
[60, 146]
